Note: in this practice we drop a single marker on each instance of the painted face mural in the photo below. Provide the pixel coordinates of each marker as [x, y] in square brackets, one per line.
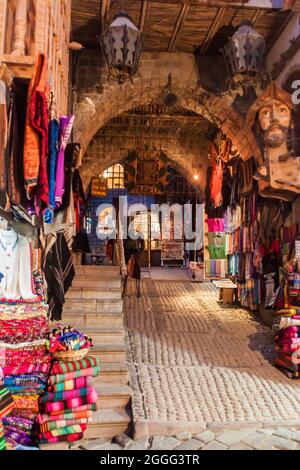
[271, 116]
[275, 120]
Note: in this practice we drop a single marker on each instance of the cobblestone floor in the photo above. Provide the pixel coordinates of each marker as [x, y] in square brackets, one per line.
[201, 376]
[280, 438]
[195, 365]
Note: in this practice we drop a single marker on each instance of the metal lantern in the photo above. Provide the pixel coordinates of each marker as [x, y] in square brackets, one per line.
[245, 51]
[121, 43]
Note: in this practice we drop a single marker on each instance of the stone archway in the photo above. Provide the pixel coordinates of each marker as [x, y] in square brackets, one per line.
[189, 157]
[94, 109]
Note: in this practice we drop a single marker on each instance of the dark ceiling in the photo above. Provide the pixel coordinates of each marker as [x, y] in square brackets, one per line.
[175, 25]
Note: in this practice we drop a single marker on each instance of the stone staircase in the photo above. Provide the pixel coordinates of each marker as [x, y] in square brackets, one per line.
[94, 304]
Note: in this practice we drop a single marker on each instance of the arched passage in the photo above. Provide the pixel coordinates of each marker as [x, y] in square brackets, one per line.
[188, 157]
[94, 110]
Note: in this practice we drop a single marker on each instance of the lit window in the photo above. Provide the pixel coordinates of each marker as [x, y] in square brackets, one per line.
[114, 176]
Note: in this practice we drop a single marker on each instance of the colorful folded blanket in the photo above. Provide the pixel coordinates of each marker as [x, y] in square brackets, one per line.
[91, 398]
[76, 429]
[28, 403]
[22, 423]
[23, 413]
[15, 331]
[66, 395]
[68, 438]
[6, 401]
[67, 415]
[24, 379]
[71, 384]
[29, 368]
[64, 367]
[2, 438]
[90, 407]
[24, 356]
[52, 425]
[15, 436]
[90, 372]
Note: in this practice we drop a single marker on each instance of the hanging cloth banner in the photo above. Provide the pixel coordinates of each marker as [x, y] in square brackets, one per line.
[36, 136]
[146, 172]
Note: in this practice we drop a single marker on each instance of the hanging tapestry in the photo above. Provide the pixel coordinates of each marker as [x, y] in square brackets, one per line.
[146, 172]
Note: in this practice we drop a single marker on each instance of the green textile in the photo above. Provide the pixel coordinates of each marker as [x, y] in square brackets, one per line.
[217, 252]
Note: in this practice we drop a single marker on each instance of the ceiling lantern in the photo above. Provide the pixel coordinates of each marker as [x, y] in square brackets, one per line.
[121, 44]
[245, 51]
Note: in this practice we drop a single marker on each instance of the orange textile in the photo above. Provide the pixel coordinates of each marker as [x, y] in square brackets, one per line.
[35, 120]
[216, 179]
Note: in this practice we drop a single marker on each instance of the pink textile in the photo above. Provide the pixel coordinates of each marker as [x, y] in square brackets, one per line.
[91, 398]
[215, 225]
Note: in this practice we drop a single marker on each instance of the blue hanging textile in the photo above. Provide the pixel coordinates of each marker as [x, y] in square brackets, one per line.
[53, 154]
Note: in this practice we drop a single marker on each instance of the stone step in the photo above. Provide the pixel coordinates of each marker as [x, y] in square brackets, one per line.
[87, 282]
[112, 372]
[110, 352]
[98, 272]
[106, 335]
[100, 305]
[113, 395]
[92, 318]
[92, 293]
[107, 423]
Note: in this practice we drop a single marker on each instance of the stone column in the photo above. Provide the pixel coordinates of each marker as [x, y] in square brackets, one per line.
[20, 28]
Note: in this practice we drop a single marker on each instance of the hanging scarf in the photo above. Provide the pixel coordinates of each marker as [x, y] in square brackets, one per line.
[36, 137]
[53, 154]
[3, 134]
[66, 124]
[59, 273]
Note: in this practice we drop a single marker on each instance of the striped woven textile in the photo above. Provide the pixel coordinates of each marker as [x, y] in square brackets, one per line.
[76, 429]
[66, 395]
[2, 438]
[91, 372]
[87, 407]
[67, 415]
[64, 367]
[71, 384]
[52, 425]
[91, 398]
[6, 402]
[68, 438]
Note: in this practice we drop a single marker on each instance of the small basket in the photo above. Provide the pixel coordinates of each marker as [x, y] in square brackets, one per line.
[66, 356]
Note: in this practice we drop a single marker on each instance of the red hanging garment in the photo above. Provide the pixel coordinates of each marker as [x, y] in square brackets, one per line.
[216, 178]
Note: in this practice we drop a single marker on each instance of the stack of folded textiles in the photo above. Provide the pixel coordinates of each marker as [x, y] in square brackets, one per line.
[287, 341]
[66, 409]
[23, 329]
[6, 406]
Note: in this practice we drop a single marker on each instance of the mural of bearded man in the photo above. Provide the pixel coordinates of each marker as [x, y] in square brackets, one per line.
[270, 116]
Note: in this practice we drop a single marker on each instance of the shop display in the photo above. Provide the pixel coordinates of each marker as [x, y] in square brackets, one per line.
[66, 408]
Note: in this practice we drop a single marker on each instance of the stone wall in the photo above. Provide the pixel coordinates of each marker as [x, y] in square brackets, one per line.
[98, 100]
[188, 156]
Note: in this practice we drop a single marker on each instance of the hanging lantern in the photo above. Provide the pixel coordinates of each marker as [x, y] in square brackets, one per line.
[245, 51]
[121, 44]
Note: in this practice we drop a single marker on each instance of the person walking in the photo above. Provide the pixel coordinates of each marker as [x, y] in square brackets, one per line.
[133, 247]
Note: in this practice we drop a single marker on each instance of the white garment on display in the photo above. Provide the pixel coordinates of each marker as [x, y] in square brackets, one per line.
[15, 266]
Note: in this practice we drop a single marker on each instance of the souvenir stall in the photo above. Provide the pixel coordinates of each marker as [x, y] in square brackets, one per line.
[37, 228]
[253, 222]
[218, 190]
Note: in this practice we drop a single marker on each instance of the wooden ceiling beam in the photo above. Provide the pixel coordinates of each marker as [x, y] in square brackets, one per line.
[105, 4]
[143, 16]
[259, 4]
[180, 20]
[256, 17]
[212, 30]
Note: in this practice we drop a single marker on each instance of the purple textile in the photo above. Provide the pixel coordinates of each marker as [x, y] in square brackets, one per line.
[65, 129]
